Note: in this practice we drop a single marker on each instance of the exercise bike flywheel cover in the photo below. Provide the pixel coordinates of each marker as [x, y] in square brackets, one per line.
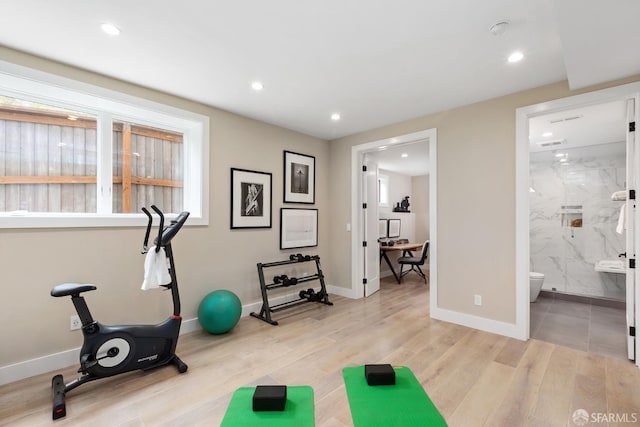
[109, 362]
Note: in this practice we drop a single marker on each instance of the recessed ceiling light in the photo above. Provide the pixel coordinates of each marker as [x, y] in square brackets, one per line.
[547, 134]
[560, 154]
[110, 29]
[382, 147]
[563, 160]
[404, 155]
[335, 117]
[257, 86]
[516, 57]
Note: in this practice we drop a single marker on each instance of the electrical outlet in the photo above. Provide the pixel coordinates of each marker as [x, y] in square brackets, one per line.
[74, 323]
[477, 299]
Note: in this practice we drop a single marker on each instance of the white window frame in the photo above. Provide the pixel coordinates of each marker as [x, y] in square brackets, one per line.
[383, 189]
[108, 105]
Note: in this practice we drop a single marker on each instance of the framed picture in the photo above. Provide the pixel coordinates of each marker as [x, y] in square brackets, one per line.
[250, 199]
[298, 228]
[299, 178]
[382, 228]
[394, 228]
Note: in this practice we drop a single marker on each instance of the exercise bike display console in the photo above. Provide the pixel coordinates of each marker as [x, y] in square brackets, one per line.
[112, 350]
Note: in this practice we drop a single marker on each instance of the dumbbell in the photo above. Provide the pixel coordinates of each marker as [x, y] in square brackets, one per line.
[299, 257]
[290, 281]
[316, 297]
[308, 294]
[285, 280]
[280, 279]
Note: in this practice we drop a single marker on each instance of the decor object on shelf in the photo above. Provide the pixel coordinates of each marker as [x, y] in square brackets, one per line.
[299, 178]
[402, 206]
[250, 199]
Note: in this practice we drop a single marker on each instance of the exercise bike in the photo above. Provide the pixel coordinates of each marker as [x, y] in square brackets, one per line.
[112, 350]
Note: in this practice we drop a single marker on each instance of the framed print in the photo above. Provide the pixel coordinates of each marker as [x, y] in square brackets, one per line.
[382, 228]
[299, 178]
[394, 228]
[298, 228]
[250, 199]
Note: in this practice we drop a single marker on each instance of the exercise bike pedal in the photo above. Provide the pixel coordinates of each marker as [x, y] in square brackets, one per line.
[85, 364]
[57, 389]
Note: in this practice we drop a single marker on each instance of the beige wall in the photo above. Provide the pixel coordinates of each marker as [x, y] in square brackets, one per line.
[207, 258]
[475, 207]
[420, 206]
[475, 199]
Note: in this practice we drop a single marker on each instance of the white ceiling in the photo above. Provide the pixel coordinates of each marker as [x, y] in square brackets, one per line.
[595, 124]
[375, 62]
[390, 158]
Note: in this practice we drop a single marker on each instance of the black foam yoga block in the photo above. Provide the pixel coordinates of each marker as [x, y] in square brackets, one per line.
[380, 374]
[270, 398]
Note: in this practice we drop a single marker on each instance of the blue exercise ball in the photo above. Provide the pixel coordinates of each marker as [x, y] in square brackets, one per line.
[219, 311]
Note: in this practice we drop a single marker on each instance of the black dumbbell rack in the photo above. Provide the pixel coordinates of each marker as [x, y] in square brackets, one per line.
[266, 310]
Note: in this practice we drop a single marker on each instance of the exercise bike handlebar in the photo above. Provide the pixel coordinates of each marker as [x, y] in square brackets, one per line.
[164, 235]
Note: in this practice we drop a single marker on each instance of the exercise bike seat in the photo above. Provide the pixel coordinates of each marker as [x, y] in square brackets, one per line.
[67, 289]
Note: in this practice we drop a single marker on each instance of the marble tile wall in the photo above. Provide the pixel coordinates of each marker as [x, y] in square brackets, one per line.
[583, 186]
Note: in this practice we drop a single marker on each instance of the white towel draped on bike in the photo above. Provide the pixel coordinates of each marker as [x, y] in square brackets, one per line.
[156, 270]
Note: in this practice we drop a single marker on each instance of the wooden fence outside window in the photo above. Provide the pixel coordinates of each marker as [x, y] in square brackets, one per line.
[48, 163]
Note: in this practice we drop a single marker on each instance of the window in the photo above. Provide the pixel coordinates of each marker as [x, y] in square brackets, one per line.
[77, 155]
[383, 191]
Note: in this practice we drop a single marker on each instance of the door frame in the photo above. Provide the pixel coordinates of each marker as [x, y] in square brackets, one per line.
[631, 90]
[357, 251]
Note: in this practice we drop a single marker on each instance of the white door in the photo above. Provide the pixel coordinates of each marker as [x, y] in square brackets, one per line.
[371, 251]
[633, 161]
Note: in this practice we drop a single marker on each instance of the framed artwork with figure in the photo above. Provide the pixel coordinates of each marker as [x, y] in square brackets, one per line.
[250, 199]
[299, 178]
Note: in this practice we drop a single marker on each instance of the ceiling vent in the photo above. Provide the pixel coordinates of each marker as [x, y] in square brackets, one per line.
[566, 119]
[552, 143]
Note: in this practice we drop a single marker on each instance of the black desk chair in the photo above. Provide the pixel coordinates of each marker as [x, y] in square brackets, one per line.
[415, 262]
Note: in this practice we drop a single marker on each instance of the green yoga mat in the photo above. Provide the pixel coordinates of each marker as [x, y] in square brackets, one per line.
[298, 412]
[404, 404]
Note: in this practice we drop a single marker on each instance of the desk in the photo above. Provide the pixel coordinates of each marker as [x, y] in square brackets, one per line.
[406, 248]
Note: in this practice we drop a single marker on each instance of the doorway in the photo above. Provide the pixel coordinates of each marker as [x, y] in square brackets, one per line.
[359, 250]
[560, 109]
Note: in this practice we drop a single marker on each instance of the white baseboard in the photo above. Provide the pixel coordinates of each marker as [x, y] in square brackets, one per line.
[343, 292]
[63, 359]
[476, 322]
[29, 368]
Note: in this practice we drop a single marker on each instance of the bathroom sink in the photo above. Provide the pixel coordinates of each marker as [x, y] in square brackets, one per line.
[610, 266]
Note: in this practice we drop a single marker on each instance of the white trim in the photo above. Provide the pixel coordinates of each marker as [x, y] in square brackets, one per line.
[64, 359]
[475, 322]
[522, 187]
[343, 292]
[25, 83]
[433, 222]
[357, 151]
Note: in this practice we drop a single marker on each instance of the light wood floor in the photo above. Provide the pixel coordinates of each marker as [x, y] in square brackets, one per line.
[475, 378]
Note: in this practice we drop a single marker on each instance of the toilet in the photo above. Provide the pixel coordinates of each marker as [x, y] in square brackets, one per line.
[535, 284]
